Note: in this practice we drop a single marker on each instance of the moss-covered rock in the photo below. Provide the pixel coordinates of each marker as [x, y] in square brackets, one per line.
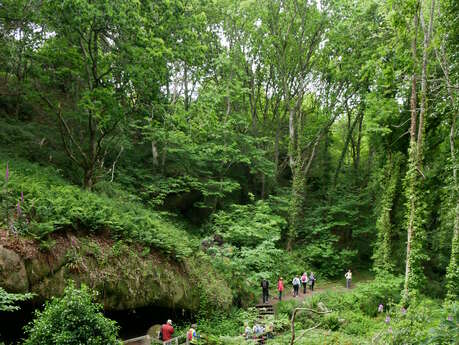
[13, 275]
[126, 275]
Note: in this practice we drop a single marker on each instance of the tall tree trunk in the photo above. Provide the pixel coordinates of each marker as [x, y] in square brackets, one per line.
[276, 147]
[185, 82]
[292, 139]
[359, 141]
[452, 272]
[411, 173]
[383, 261]
[346, 145]
[296, 204]
[425, 51]
[414, 276]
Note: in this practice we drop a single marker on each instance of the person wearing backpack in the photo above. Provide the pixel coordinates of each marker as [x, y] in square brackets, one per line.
[191, 334]
[296, 285]
[280, 287]
[166, 331]
[304, 281]
[265, 288]
[312, 281]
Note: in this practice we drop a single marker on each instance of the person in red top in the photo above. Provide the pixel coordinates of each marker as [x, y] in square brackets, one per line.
[280, 288]
[167, 330]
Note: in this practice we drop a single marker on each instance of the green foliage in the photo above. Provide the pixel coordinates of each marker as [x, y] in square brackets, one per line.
[365, 298]
[51, 205]
[8, 301]
[249, 254]
[72, 319]
[248, 225]
[325, 258]
[446, 331]
[383, 257]
[202, 108]
[414, 275]
[424, 323]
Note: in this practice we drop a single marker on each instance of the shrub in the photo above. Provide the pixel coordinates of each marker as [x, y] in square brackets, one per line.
[383, 290]
[50, 204]
[423, 323]
[8, 300]
[73, 319]
[327, 260]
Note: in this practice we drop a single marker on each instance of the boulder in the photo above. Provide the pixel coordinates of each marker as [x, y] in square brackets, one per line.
[13, 275]
[125, 279]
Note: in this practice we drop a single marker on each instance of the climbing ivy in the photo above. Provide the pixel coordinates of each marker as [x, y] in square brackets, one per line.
[383, 258]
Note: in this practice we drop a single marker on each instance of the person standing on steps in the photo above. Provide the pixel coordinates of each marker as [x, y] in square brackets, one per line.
[280, 287]
[304, 281]
[312, 281]
[167, 330]
[265, 288]
[348, 277]
[296, 286]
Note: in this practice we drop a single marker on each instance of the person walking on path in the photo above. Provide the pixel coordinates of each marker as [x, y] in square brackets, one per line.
[280, 288]
[312, 281]
[265, 288]
[348, 277]
[304, 281]
[167, 330]
[296, 285]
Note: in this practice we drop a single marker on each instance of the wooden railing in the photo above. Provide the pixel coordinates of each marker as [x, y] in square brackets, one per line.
[174, 341]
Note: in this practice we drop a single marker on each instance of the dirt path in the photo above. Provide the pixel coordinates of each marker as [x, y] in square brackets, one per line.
[288, 292]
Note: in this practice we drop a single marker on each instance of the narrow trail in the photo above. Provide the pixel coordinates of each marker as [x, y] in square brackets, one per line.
[288, 293]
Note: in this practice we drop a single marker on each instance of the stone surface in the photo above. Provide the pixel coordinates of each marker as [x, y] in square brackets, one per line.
[13, 275]
[124, 278]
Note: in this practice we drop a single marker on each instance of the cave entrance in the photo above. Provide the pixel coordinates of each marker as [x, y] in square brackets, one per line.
[133, 323]
[136, 322]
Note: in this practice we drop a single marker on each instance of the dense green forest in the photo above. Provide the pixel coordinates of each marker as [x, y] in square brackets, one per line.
[173, 153]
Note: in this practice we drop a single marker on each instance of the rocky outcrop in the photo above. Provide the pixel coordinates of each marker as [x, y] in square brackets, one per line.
[13, 275]
[126, 276]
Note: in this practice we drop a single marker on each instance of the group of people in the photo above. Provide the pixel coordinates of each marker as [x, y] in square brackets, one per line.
[297, 281]
[305, 281]
[167, 330]
[259, 332]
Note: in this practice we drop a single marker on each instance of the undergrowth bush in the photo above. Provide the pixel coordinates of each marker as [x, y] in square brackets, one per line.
[248, 253]
[365, 297]
[425, 323]
[50, 204]
[72, 320]
[9, 301]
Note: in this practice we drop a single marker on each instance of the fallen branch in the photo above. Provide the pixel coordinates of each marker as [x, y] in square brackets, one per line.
[294, 315]
[309, 329]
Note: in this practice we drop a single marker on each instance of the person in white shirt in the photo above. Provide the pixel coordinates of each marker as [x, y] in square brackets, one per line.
[296, 286]
[348, 277]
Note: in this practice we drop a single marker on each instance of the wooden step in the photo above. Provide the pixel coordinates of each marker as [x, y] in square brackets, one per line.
[265, 309]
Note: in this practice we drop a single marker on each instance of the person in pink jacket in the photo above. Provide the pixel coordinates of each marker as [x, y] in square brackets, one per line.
[280, 288]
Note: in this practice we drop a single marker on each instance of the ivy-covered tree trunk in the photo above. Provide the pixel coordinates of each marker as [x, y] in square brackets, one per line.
[415, 254]
[383, 260]
[411, 177]
[452, 273]
[296, 204]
